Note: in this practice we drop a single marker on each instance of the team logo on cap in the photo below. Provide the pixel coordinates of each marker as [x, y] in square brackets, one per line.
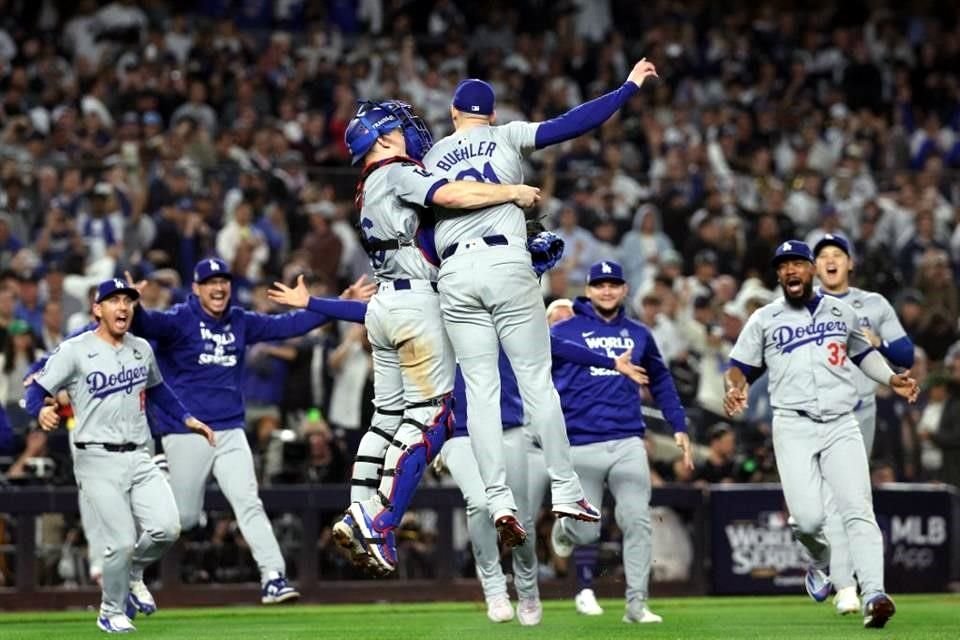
[786, 246]
[828, 236]
[214, 266]
[605, 268]
[475, 107]
[118, 283]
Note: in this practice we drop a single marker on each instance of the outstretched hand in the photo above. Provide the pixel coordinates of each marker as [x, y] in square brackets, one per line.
[292, 297]
[627, 368]
[360, 290]
[905, 386]
[139, 286]
[641, 71]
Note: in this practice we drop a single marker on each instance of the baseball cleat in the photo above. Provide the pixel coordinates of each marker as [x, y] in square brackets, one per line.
[499, 608]
[877, 610]
[510, 530]
[276, 590]
[817, 583]
[346, 535]
[579, 510]
[529, 612]
[640, 615]
[587, 604]
[382, 546]
[846, 601]
[562, 544]
[140, 600]
[117, 623]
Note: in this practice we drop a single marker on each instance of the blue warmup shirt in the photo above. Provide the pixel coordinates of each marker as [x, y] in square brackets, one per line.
[600, 405]
[511, 404]
[201, 357]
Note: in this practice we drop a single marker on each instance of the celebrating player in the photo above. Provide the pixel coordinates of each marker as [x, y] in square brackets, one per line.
[879, 323]
[491, 298]
[605, 426]
[810, 343]
[201, 345]
[110, 376]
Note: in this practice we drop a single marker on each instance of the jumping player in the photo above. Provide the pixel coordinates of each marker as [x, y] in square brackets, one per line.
[605, 426]
[110, 377]
[879, 323]
[412, 359]
[491, 298]
[810, 344]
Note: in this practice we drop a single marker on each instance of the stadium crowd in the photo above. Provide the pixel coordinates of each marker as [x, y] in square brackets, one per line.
[143, 136]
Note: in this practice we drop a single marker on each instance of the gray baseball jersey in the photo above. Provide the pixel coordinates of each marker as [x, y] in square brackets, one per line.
[808, 355]
[484, 154]
[391, 196]
[107, 386]
[875, 313]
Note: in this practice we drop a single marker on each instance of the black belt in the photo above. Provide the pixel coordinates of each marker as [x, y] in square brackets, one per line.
[108, 446]
[492, 241]
[391, 244]
[402, 284]
[804, 414]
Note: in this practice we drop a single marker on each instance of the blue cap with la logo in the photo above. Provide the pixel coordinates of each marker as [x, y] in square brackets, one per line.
[605, 271]
[114, 287]
[211, 268]
[792, 250]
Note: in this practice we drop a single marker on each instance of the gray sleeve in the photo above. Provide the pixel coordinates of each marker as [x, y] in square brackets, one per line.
[857, 343]
[415, 184]
[749, 347]
[522, 135]
[154, 377]
[889, 328]
[59, 370]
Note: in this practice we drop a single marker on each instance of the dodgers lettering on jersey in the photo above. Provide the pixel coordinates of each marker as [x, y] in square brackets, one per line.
[808, 355]
[393, 195]
[485, 154]
[875, 313]
[107, 386]
[597, 406]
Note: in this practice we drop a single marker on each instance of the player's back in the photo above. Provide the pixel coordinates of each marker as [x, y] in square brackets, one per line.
[385, 215]
[485, 154]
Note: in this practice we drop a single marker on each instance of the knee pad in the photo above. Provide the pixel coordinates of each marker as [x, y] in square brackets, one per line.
[418, 447]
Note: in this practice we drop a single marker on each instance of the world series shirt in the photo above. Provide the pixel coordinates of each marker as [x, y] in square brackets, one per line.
[107, 386]
[811, 355]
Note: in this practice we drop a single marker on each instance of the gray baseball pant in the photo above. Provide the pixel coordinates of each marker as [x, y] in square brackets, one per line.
[121, 491]
[191, 462]
[812, 455]
[490, 298]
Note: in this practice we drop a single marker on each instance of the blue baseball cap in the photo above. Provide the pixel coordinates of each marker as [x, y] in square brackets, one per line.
[832, 240]
[605, 271]
[792, 249]
[474, 96]
[211, 268]
[113, 287]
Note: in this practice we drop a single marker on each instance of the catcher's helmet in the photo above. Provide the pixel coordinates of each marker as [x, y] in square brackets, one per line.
[374, 119]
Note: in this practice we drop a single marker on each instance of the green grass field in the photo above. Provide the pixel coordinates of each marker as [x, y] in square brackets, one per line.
[925, 617]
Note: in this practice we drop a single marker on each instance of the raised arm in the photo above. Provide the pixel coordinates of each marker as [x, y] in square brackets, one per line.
[569, 351]
[592, 114]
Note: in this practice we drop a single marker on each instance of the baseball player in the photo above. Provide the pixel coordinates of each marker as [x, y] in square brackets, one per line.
[201, 344]
[412, 359]
[110, 377]
[491, 298]
[605, 426]
[459, 459]
[879, 323]
[810, 343]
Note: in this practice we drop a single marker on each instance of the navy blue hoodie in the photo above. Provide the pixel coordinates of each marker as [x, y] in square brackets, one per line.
[599, 404]
[201, 357]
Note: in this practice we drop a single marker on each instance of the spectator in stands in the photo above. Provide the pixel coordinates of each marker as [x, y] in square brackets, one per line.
[719, 464]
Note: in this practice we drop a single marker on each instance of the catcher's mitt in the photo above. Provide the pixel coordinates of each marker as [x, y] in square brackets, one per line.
[545, 247]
